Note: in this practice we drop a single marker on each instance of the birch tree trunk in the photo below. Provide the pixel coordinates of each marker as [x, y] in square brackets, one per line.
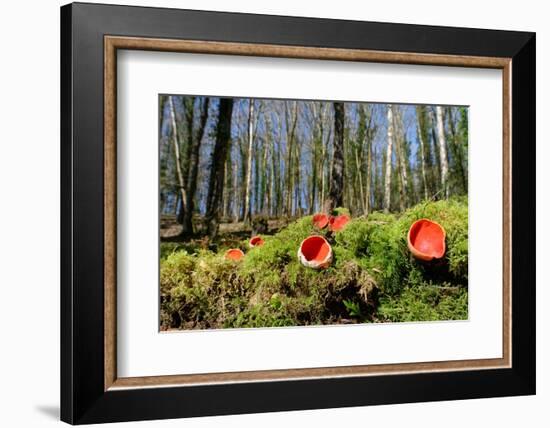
[419, 113]
[277, 174]
[291, 129]
[249, 161]
[267, 171]
[297, 198]
[437, 154]
[402, 156]
[442, 151]
[175, 142]
[387, 181]
[255, 195]
[369, 137]
[316, 135]
[377, 178]
[323, 163]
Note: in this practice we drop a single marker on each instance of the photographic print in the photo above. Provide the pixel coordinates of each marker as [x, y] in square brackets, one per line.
[281, 212]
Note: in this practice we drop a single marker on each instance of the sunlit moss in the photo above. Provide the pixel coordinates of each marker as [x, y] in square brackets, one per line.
[373, 277]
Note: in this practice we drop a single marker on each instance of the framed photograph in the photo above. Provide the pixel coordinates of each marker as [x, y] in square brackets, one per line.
[266, 213]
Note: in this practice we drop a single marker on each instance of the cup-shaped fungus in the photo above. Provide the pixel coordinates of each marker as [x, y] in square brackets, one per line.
[426, 240]
[337, 223]
[320, 220]
[234, 254]
[315, 252]
[256, 241]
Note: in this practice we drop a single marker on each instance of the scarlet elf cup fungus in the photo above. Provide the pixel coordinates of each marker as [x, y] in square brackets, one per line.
[426, 240]
[255, 241]
[234, 254]
[315, 252]
[337, 223]
[320, 220]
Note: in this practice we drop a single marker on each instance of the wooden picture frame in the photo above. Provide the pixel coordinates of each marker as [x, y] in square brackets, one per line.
[91, 390]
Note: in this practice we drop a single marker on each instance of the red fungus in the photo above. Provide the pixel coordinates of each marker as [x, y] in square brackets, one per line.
[315, 252]
[426, 240]
[337, 223]
[256, 241]
[320, 220]
[234, 254]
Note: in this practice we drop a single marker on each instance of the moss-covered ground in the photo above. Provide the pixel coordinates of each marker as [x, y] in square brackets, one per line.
[373, 277]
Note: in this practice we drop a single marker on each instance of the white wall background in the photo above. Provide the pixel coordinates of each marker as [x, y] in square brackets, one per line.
[29, 213]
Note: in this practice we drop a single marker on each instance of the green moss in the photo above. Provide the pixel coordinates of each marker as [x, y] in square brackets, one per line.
[425, 303]
[341, 211]
[372, 278]
[379, 244]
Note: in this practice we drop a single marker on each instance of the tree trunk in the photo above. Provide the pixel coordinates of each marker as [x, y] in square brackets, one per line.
[387, 181]
[368, 135]
[362, 197]
[243, 143]
[437, 157]
[268, 172]
[324, 151]
[162, 103]
[402, 156]
[219, 155]
[176, 143]
[227, 186]
[336, 189]
[442, 151]
[162, 155]
[419, 113]
[457, 153]
[192, 173]
[297, 197]
[277, 199]
[377, 192]
[235, 193]
[290, 129]
[316, 135]
[257, 179]
[248, 181]
[189, 110]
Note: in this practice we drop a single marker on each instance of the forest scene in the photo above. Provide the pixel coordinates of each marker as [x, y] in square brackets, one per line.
[278, 213]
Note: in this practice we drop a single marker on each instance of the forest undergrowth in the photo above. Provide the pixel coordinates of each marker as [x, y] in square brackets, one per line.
[373, 277]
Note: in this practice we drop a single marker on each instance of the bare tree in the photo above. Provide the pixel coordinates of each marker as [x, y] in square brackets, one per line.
[419, 118]
[291, 119]
[369, 135]
[457, 152]
[325, 163]
[235, 193]
[176, 143]
[162, 103]
[442, 151]
[401, 156]
[387, 181]
[336, 189]
[194, 151]
[249, 161]
[219, 155]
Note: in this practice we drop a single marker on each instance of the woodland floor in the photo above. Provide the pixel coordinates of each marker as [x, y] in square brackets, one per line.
[373, 277]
